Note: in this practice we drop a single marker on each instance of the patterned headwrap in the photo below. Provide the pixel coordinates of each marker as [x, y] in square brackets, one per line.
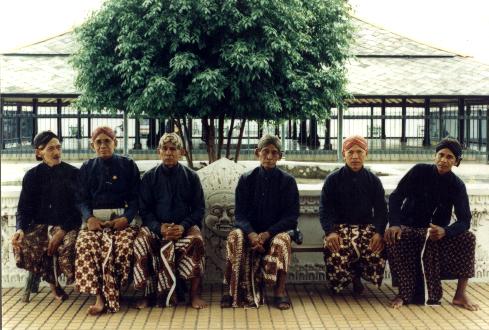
[173, 138]
[103, 130]
[451, 144]
[355, 140]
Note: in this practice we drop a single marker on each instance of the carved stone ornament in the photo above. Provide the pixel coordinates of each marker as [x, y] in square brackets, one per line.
[219, 181]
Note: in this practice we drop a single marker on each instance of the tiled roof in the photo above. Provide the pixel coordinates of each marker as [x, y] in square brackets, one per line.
[418, 76]
[386, 64]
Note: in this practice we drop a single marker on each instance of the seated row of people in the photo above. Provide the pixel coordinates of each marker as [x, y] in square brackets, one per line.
[81, 223]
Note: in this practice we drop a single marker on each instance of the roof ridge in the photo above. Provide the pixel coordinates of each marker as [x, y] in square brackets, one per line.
[383, 28]
[19, 48]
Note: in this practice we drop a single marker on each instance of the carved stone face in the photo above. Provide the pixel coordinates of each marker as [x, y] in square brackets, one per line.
[220, 213]
[219, 181]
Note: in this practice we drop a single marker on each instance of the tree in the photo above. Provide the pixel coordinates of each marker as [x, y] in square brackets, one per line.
[215, 60]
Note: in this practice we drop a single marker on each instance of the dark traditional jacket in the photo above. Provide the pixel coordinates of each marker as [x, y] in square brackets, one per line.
[171, 195]
[266, 200]
[352, 198]
[423, 196]
[48, 196]
[108, 184]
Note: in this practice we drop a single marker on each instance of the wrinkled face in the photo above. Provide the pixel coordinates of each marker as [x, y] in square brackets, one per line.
[354, 157]
[444, 160]
[104, 146]
[170, 154]
[50, 153]
[269, 155]
[220, 213]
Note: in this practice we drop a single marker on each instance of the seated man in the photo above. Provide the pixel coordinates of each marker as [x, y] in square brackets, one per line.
[170, 246]
[420, 213]
[47, 217]
[267, 206]
[353, 214]
[108, 200]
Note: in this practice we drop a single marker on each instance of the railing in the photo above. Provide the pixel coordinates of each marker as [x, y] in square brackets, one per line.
[394, 133]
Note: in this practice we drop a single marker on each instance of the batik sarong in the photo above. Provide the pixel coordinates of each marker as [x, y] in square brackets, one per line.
[354, 257]
[246, 270]
[104, 262]
[418, 263]
[159, 263]
[32, 254]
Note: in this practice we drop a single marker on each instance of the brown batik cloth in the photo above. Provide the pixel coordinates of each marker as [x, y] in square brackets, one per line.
[354, 257]
[32, 255]
[103, 263]
[159, 263]
[449, 258]
[247, 270]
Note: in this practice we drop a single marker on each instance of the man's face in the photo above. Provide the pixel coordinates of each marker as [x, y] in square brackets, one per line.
[170, 154]
[268, 156]
[444, 160]
[104, 146]
[355, 157]
[50, 153]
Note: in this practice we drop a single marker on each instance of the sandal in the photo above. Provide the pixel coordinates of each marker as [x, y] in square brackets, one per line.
[226, 301]
[282, 302]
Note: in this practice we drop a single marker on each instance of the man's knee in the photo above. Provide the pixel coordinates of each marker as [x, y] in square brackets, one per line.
[281, 239]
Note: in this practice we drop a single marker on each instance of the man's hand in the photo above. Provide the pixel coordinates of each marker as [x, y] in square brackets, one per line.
[376, 243]
[55, 241]
[436, 232]
[119, 223]
[175, 232]
[333, 242]
[18, 238]
[392, 235]
[264, 237]
[255, 242]
[94, 224]
[171, 231]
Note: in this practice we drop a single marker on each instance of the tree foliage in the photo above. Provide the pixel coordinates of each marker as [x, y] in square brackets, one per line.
[215, 59]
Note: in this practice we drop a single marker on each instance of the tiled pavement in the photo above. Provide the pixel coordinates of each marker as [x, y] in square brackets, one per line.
[313, 308]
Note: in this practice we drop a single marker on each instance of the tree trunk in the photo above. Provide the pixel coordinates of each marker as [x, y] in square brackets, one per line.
[184, 136]
[240, 138]
[220, 137]
[230, 135]
[209, 137]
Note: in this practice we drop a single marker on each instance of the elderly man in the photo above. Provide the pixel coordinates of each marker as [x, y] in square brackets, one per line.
[423, 246]
[170, 245]
[47, 217]
[108, 201]
[353, 214]
[267, 206]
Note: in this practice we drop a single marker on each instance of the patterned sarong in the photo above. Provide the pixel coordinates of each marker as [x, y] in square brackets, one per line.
[32, 254]
[354, 258]
[247, 270]
[416, 269]
[158, 263]
[103, 262]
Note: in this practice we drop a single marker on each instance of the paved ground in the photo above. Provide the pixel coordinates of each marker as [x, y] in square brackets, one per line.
[313, 308]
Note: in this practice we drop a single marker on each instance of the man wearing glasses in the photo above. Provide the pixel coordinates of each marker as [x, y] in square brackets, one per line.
[423, 246]
[259, 249]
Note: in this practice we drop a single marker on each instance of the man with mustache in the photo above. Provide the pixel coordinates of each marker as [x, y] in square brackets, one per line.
[47, 217]
[422, 245]
[353, 214]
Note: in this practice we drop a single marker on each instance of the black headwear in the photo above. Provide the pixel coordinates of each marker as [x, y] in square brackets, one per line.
[451, 144]
[42, 139]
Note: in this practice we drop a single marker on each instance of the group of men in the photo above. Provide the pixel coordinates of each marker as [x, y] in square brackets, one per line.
[80, 223]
